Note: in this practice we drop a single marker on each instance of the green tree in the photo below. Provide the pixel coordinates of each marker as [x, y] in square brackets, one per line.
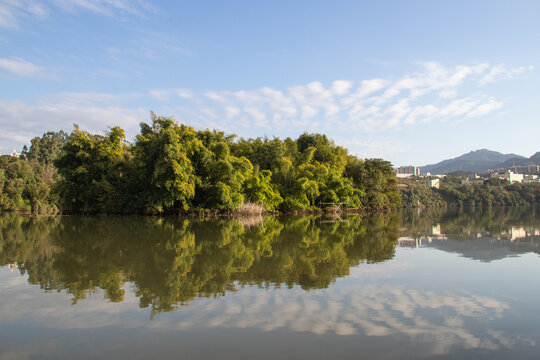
[165, 177]
[91, 169]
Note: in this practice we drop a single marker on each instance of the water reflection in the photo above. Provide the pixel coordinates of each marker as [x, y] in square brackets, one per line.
[171, 261]
[385, 286]
[484, 234]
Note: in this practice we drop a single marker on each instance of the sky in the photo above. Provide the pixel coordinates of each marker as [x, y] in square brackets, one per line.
[412, 82]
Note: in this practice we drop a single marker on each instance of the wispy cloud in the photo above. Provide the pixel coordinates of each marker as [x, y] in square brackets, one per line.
[369, 147]
[148, 45]
[20, 67]
[12, 12]
[20, 121]
[501, 71]
[434, 93]
[104, 7]
[369, 108]
[165, 95]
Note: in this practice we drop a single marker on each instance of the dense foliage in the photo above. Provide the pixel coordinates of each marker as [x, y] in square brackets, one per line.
[26, 182]
[172, 168]
[492, 192]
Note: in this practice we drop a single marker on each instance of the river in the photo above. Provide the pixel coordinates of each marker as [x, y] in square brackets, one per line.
[430, 284]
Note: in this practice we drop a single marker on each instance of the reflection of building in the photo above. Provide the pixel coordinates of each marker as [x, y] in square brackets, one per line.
[415, 241]
[407, 241]
[518, 232]
[519, 236]
[407, 171]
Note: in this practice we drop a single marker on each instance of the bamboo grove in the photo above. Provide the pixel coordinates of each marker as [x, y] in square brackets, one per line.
[172, 168]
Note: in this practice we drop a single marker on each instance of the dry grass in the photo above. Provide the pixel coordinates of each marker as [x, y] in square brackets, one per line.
[249, 208]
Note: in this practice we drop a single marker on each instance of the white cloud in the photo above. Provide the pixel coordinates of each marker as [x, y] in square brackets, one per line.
[231, 112]
[13, 11]
[161, 95]
[371, 147]
[485, 108]
[104, 7]
[184, 93]
[215, 96]
[165, 95]
[20, 121]
[341, 109]
[501, 71]
[20, 67]
[434, 93]
[341, 87]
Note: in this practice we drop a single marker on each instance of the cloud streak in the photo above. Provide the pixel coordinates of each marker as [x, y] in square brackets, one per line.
[20, 121]
[340, 109]
[12, 12]
[373, 105]
[20, 67]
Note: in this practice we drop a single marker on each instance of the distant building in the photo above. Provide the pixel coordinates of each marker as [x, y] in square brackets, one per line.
[15, 154]
[440, 176]
[508, 175]
[407, 171]
[530, 178]
[527, 169]
[435, 183]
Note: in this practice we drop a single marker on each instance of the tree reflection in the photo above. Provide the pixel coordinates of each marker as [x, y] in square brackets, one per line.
[171, 261]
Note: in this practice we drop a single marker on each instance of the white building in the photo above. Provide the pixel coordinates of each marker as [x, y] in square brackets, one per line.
[508, 175]
[407, 171]
[435, 183]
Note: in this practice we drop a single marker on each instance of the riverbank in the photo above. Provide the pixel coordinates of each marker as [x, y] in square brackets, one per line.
[452, 193]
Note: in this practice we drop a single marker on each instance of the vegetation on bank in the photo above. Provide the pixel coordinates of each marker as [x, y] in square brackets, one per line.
[172, 168]
[492, 192]
[26, 182]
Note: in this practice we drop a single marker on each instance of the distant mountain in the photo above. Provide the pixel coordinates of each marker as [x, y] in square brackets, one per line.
[535, 158]
[477, 161]
[519, 162]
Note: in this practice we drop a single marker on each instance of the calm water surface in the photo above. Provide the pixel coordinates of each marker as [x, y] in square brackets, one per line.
[430, 284]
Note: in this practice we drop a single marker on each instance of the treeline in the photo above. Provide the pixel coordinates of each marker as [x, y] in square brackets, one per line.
[172, 168]
[26, 182]
[492, 192]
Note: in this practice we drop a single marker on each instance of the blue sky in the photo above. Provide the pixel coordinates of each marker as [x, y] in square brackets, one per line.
[413, 82]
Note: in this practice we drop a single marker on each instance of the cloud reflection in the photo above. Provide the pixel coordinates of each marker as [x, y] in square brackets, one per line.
[443, 320]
